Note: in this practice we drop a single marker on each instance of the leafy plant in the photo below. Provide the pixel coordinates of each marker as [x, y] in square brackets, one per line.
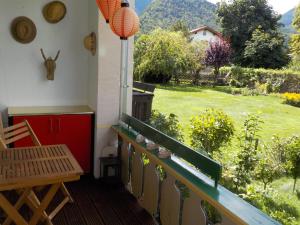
[247, 156]
[161, 55]
[211, 130]
[292, 99]
[293, 159]
[217, 55]
[167, 124]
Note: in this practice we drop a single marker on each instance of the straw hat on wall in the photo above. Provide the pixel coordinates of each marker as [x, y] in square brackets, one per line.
[54, 11]
[23, 30]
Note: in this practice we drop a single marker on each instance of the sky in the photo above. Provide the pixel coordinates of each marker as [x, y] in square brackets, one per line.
[280, 6]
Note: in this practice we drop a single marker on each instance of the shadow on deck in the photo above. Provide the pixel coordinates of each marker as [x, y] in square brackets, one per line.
[98, 203]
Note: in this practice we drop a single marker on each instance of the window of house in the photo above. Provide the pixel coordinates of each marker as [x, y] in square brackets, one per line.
[204, 33]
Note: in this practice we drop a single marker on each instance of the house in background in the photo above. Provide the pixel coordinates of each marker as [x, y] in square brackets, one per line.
[205, 33]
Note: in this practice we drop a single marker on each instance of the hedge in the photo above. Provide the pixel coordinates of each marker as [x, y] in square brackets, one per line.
[279, 80]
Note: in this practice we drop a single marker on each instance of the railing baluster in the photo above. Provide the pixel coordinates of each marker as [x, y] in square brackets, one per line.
[193, 213]
[137, 174]
[170, 202]
[151, 189]
[125, 163]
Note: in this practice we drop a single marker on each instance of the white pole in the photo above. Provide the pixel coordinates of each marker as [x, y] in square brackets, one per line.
[123, 78]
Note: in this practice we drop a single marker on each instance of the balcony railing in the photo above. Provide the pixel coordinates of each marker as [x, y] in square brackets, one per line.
[198, 174]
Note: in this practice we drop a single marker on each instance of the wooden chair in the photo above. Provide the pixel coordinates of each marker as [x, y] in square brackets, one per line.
[17, 132]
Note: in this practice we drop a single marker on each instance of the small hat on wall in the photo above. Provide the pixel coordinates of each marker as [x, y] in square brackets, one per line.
[23, 30]
[54, 11]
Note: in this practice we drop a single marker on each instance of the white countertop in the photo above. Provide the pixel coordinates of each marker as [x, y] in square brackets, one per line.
[49, 110]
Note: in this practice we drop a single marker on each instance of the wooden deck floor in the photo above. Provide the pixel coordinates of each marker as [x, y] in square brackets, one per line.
[97, 203]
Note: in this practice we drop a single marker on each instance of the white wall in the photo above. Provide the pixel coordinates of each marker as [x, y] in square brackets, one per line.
[199, 36]
[22, 74]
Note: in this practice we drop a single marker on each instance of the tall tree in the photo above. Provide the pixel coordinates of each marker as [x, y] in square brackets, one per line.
[265, 49]
[295, 40]
[240, 18]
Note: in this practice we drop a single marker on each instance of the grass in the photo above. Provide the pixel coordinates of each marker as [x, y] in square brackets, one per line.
[187, 101]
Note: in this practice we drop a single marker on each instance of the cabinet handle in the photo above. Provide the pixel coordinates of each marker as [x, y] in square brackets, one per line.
[51, 126]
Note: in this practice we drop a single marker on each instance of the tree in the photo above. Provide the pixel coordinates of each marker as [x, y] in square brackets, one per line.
[240, 18]
[180, 26]
[265, 49]
[211, 130]
[161, 55]
[293, 159]
[295, 39]
[247, 156]
[217, 55]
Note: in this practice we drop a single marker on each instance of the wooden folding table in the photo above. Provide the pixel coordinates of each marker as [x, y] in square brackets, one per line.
[23, 169]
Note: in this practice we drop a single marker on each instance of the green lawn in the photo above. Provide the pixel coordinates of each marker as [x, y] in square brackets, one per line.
[187, 101]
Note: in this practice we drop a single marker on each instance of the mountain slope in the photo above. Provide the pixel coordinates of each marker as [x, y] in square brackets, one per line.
[287, 20]
[141, 5]
[164, 13]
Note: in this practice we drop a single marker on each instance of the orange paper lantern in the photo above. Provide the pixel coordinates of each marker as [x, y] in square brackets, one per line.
[125, 22]
[108, 8]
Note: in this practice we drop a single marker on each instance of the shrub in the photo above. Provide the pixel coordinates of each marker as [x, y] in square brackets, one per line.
[277, 80]
[211, 130]
[292, 99]
[167, 124]
[247, 156]
[161, 55]
[293, 159]
[270, 202]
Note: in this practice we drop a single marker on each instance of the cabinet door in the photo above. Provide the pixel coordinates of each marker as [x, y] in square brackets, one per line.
[43, 127]
[76, 132]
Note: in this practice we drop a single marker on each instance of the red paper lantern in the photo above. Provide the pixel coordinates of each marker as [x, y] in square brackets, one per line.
[125, 22]
[108, 8]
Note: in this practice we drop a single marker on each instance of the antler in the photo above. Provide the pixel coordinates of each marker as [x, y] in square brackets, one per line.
[43, 54]
[56, 57]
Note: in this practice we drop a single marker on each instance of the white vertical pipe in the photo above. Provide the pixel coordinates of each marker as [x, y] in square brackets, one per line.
[123, 78]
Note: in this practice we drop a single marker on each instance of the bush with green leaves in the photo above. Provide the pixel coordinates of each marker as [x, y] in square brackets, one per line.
[169, 125]
[293, 159]
[270, 202]
[161, 56]
[247, 156]
[211, 130]
[285, 80]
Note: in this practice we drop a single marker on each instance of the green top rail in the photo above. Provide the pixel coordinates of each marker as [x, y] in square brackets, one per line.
[206, 165]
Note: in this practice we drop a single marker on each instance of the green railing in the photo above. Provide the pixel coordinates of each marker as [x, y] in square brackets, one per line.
[188, 167]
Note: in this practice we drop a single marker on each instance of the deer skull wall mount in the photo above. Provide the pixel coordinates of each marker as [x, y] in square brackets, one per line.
[50, 64]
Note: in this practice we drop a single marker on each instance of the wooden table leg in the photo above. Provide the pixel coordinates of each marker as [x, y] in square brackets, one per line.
[11, 211]
[44, 204]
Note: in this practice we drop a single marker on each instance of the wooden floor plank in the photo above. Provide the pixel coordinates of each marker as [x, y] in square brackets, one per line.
[97, 203]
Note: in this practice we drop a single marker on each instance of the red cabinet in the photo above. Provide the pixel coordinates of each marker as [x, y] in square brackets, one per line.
[74, 130]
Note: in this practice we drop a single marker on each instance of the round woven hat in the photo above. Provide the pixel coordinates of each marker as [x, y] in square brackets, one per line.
[23, 30]
[54, 11]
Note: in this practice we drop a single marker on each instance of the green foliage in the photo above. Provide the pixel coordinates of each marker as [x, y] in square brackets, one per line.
[293, 159]
[166, 124]
[180, 26]
[295, 39]
[247, 156]
[268, 168]
[163, 13]
[161, 55]
[211, 130]
[270, 202]
[277, 80]
[239, 19]
[265, 49]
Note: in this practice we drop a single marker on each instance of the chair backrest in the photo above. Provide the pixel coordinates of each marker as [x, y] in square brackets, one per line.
[17, 132]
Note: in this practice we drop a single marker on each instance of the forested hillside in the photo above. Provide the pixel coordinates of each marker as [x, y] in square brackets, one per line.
[141, 5]
[287, 20]
[164, 13]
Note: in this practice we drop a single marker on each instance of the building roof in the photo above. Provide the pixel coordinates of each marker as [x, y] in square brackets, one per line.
[195, 31]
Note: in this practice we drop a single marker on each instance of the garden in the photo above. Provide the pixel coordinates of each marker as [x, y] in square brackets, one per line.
[236, 100]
